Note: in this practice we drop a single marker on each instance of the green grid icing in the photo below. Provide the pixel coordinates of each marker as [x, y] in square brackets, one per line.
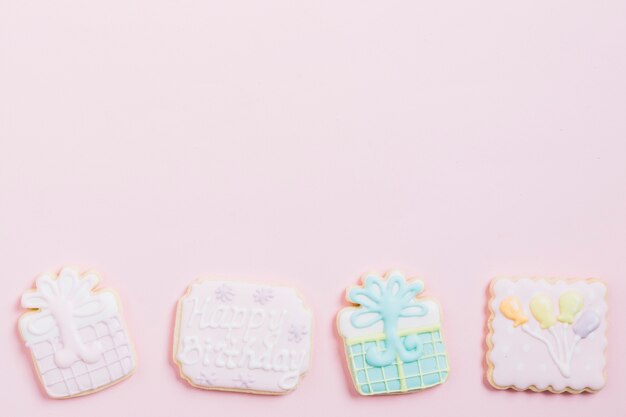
[429, 370]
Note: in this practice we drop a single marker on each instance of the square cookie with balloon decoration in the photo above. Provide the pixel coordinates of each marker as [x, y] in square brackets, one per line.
[547, 335]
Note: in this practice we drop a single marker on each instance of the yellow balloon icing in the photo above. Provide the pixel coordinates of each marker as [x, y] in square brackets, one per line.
[512, 310]
[570, 303]
[542, 309]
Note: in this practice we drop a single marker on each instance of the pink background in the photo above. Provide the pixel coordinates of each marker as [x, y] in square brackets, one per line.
[307, 142]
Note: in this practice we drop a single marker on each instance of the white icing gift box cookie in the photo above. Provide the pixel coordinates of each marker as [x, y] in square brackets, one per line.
[392, 337]
[237, 336]
[547, 335]
[77, 336]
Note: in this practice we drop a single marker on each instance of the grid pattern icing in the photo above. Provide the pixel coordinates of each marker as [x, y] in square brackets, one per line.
[429, 370]
[115, 362]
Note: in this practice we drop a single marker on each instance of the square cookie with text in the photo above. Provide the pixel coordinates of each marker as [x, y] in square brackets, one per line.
[237, 336]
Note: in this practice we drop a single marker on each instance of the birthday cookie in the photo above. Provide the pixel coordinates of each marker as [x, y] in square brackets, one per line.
[236, 336]
[547, 335]
[76, 335]
[392, 338]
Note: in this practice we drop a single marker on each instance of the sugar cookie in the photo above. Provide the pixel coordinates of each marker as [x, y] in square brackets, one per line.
[547, 335]
[236, 336]
[77, 336]
[392, 339]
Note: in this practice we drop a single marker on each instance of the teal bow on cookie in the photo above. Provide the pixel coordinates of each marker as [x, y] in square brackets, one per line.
[388, 301]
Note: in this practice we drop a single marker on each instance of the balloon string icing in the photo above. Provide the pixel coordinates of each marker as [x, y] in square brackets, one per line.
[563, 359]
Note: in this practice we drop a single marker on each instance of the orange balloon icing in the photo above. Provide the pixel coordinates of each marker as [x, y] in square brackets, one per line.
[512, 310]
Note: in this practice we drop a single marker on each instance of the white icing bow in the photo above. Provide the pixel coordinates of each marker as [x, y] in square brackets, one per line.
[61, 301]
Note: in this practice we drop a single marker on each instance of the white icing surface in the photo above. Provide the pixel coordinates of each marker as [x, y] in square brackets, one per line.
[28, 322]
[347, 329]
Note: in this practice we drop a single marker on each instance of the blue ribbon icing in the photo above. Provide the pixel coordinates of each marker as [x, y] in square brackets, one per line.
[387, 301]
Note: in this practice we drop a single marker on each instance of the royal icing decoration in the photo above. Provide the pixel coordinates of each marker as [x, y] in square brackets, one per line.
[238, 336]
[547, 335]
[77, 337]
[392, 339]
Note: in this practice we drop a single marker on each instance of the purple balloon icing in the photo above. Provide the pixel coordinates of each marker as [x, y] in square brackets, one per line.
[586, 323]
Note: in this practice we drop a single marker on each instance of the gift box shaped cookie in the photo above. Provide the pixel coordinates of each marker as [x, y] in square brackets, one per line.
[393, 340]
[547, 335]
[77, 336]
